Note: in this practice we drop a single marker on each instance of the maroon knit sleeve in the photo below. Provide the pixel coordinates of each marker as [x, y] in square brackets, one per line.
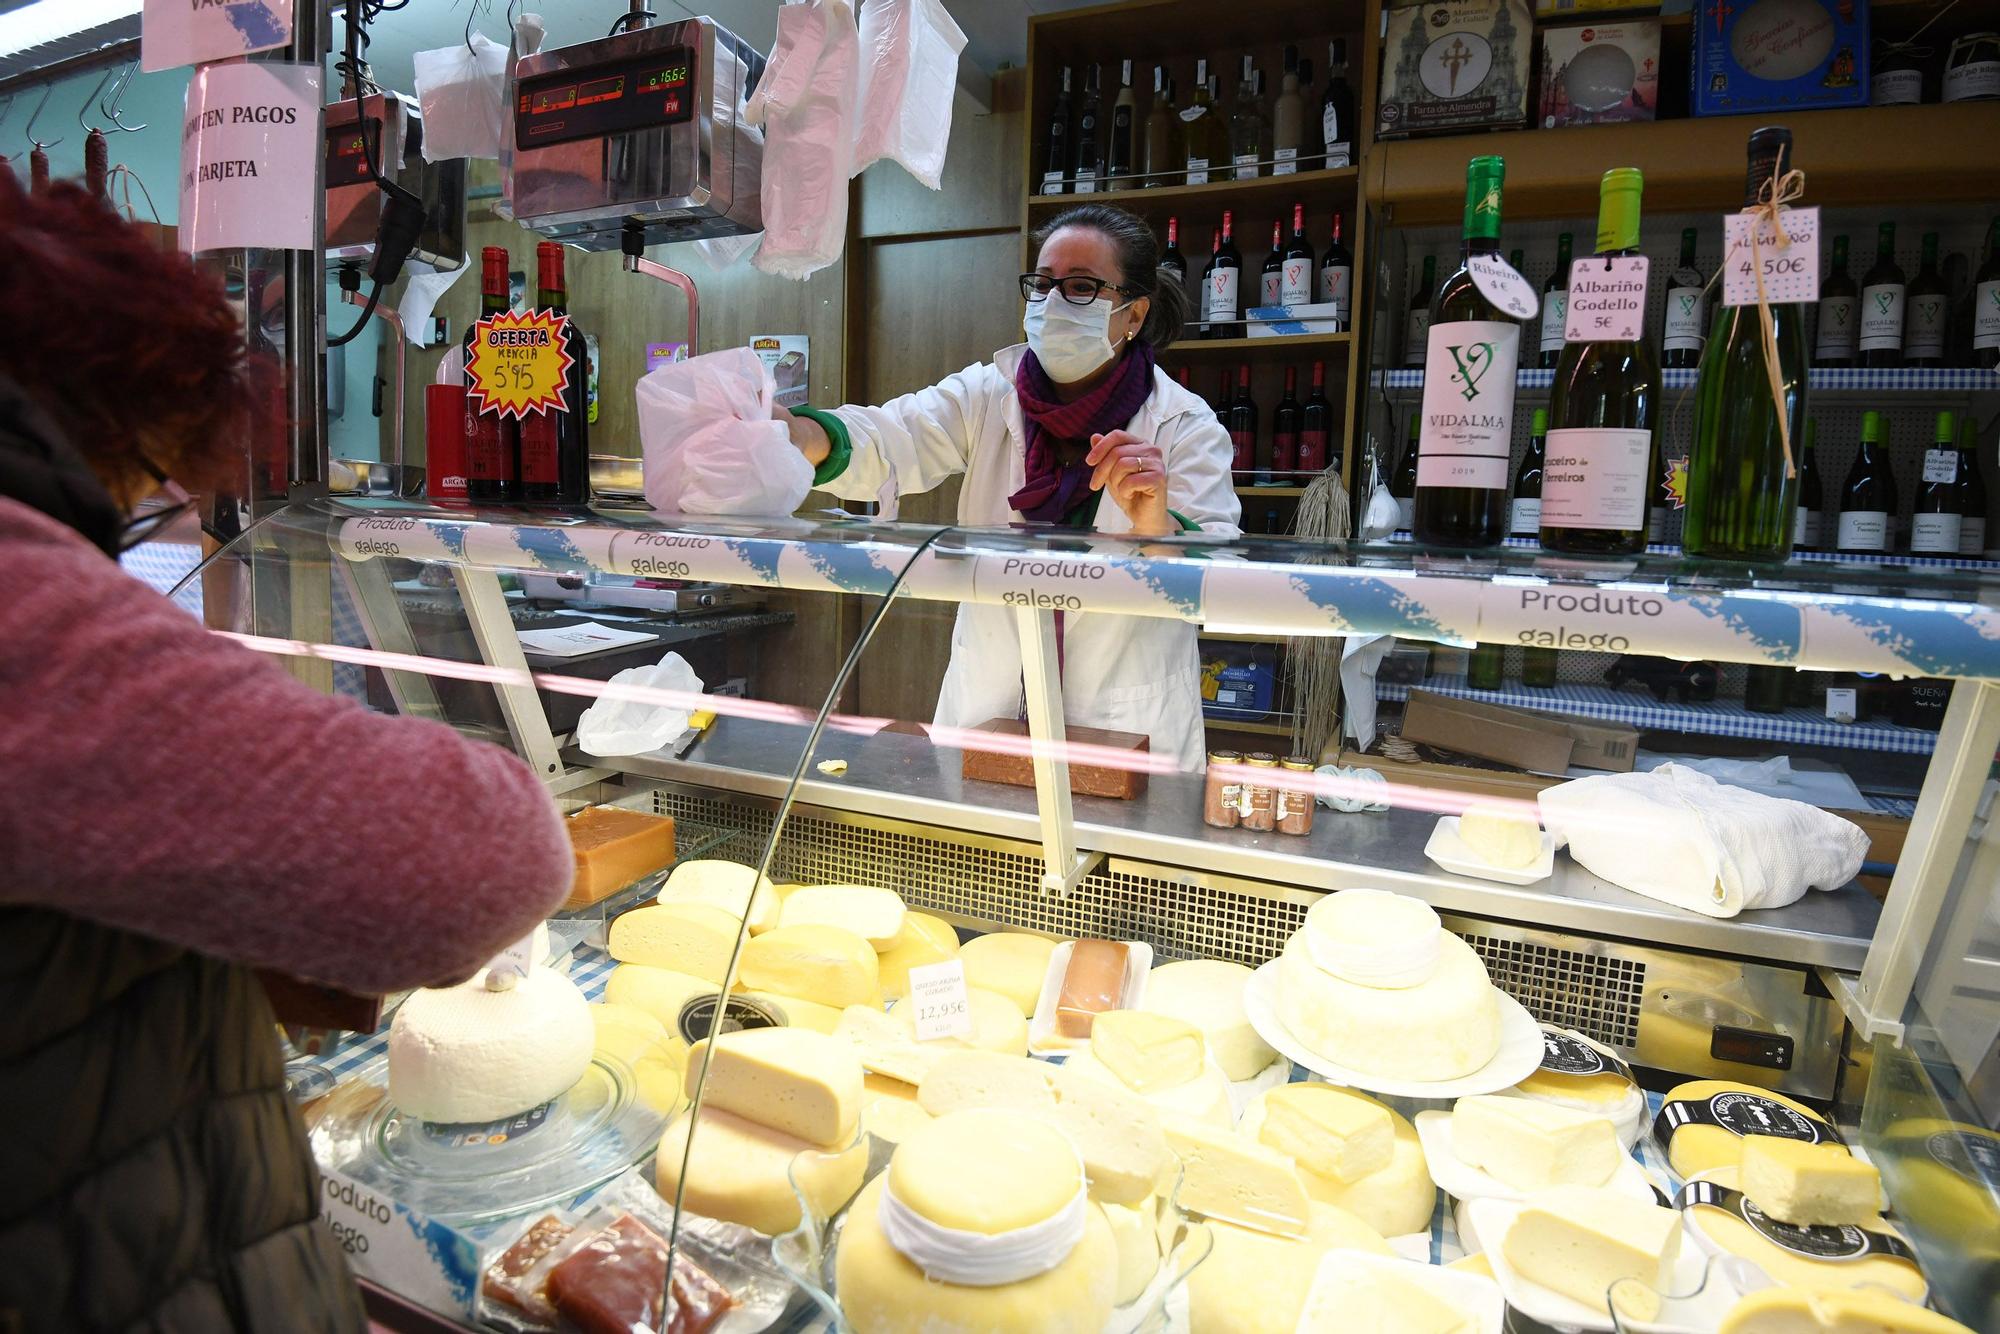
[161, 779]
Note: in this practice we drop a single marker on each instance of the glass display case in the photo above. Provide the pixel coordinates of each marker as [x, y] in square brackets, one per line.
[796, 733]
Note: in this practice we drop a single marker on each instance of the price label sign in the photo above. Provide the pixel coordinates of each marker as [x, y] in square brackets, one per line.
[938, 1000]
[1499, 283]
[517, 958]
[1791, 271]
[519, 362]
[1607, 300]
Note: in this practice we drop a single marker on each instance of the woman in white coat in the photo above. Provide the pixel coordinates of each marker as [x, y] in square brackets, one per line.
[1044, 433]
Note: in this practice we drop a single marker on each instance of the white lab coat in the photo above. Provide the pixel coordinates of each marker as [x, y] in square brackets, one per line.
[1126, 673]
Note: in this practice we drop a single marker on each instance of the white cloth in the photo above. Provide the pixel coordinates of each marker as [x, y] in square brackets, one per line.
[1360, 658]
[624, 726]
[709, 444]
[1126, 673]
[1681, 837]
[806, 101]
[462, 89]
[909, 72]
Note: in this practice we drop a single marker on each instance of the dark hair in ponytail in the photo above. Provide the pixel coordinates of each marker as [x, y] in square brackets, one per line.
[1138, 262]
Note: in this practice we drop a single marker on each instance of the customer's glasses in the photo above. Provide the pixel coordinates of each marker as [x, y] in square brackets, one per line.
[1078, 290]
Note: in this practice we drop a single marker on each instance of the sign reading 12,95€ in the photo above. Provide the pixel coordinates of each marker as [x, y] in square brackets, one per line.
[519, 361]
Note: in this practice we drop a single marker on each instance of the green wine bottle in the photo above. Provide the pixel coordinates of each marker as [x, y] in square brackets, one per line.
[1472, 354]
[1602, 450]
[1935, 522]
[1740, 503]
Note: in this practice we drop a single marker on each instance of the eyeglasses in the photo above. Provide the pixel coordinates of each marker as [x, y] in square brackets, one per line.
[1079, 290]
[178, 504]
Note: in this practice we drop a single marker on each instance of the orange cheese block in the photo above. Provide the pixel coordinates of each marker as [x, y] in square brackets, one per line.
[614, 847]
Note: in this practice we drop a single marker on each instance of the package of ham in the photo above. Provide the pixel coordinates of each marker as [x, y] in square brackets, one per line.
[1084, 979]
[605, 1279]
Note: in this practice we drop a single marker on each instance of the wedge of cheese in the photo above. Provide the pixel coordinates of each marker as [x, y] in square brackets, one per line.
[1529, 1145]
[1010, 963]
[1228, 1177]
[1329, 1132]
[924, 939]
[1811, 1185]
[1148, 1051]
[964, 1080]
[1702, 1123]
[805, 1084]
[742, 1172]
[1208, 993]
[886, 1047]
[690, 938]
[873, 913]
[731, 886]
[1119, 1137]
[827, 965]
[1395, 1201]
[1579, 1240]
[660, 992]
[891, 1117]
[1257, 1283]
[1850, 1311]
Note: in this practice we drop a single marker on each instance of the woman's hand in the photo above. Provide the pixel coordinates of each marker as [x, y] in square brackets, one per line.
[808, 435]
[1134, 471]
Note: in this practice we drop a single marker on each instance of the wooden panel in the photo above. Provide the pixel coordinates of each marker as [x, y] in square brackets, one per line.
[982, 173]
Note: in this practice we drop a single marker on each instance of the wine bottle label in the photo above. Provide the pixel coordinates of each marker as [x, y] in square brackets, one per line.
[1986, 315]
[1923, 326]
[1799, 527]
[1815, 528]
[1086, 181]
[1406, 513]
[1607, 300]
[1336, 282]
[1415, 337]
[1941, 465]
[1312, 451]
[1525, 518]
[1555, 316]
[1339, 153]
[1686, 325]
[1052, 182]
[1246, 166]
[1836, 329]
[1971, 535]
[539, 450]
[1468, 422]
[1197, 171]
[1222, 294]
[1295, 282]
[1656, 525]
[1862, 530]
[1596, 478]
[1973, 79]
[1270, 288]
[1285, 162]
[1934, 534]
[1896, 88]
[1882, 318]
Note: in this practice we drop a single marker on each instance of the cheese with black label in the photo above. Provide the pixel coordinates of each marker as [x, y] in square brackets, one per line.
[1702, 1123]
[1579, 1240]
[1587, 1075]
[1871, 1254]
[1809, 1184]
[468, 1054]
[1819, 1311]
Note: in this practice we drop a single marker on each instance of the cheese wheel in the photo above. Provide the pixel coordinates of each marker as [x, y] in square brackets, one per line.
[963, 1080]
[1828, 1257]
[986, 1171]
[690, 938]
[464, 1054]
[1148, 1051]
[795, 1012]
[1204, 1098]
[823, 964]
[657, 1058]
[1208, 993]
[742, 1172]
[891, 1117]
[805, 1084]
[730, 886]
[1010, 963]
[1702, 1123]
[1396, 1201]
[1819, 1311]
[660, 992]
[625, 1031]
[1256, 1283]
[874, 914]
[1445, 1027]
[1327, 1132]
[923, 940]
[1135, 1232]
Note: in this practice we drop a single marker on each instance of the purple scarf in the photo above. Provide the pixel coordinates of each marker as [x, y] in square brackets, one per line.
[1054, 488]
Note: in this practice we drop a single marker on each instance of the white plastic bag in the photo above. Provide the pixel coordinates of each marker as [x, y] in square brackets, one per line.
[710, 443]
[463, 92]
[613, 726]
[806, 103]
[909, 74]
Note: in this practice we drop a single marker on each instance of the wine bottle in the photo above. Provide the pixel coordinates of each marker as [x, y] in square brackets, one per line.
[1868, 496]
[1417, 324]
[1295, 279]
[1055, 162]
[1201, 128]
[1926, 310]
[1246, 126]
[1602, 452]
[1288, 118]
[1839, 313]
[1538, 668]
[1286, 420]
[1208, 281]
[492, 442]
[1271, 276]
[1555, 306]
[1971, 491]
[1315, 427]
[1686, 326]
[1882, 298]
[1243, 427]
[1515, 258]
[1986, 303]
[1124, 151]
[1934, 524]
[1089, 151]
[1222, 398]
[1472, 352]
[1740, 504]
[1225, 307]
[1525, 518]
[1312, 147]
[1159, 162]
[1336, 277]
[1336, 107]
[1403, 486]
[555, 444]
[1809, 529]
[1485, 666]
[1171, 258]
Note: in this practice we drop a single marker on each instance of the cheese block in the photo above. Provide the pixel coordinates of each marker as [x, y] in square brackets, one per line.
[1810, 1185]
[1205, 1097]
[1868, 1254]
[973, 1079]
[924, 939]
[1501, 836]
[1473, 1264]
[891, 1117]
[742, 1172]
[885, 1046]
[690, 938]
[1819, 1311]
[1134, 1231]
[1256, 1283]
[874, 914]
[1010, 963]
[1208, 993]
[827, 965]
[466, 1054]
[1327, 1131]
[1702, 1123]
[799, 1013]
[1579, 1240]
[731, 886]
[1227, 1176]
[613, 847]
[1395, 1201]
[1529, 1145]
[805, 1084]
[1119, 1137]
[660, 992]
[1378, 1299]
[1149, 1052]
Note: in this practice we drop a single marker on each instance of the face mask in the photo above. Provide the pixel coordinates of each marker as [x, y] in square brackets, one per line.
[1070, 341]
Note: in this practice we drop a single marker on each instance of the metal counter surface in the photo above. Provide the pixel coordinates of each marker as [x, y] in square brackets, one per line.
[900, 776]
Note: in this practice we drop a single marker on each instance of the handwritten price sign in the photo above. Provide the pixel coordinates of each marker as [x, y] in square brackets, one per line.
[938, 1001]
[519, 362]
[1505, 288]
[1791, 271]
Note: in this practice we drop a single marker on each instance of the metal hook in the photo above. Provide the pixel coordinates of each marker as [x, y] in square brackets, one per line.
[472, 13]
[92, 96]
[47, 88]
[118, 99]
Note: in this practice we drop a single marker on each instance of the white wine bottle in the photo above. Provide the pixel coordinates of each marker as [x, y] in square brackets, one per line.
[1868, 496]
[1935, 523]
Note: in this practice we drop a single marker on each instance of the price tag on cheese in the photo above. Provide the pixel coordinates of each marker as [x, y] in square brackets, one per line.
[938, 1001]
[1791, 271]
[519, 362]
[1501, 285]
[517, 958]
[1607, 300]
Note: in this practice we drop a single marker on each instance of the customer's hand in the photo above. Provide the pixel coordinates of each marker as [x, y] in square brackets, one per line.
[1134, 472]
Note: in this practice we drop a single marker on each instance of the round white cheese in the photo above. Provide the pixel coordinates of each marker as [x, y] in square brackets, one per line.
[1208, 993]
[1444, 1028]
[466, 1054]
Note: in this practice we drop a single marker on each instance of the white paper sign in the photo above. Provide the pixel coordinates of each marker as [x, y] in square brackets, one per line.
[573, 641]
[1607, 299]
[407, 1252]
[1505, 288]
[189, 32]
[1840, 704]
[1791, 271]
[517, 958]
[250, 154]
[938, 1000]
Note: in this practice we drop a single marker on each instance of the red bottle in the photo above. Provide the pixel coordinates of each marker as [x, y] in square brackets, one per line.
[492, 442]
[1315, 426]
[1243, 424]
[1285, 429]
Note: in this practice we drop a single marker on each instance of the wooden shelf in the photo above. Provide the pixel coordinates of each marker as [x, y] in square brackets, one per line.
[1234, 638]
[1292, 343]
[1272, 492]
[1317, 190]
[1863, 155]
[1259, 729]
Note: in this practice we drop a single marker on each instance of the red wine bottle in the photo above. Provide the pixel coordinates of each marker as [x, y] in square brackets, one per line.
[1243, 425]
[1315, 427]
[555, 444]
[1286, 420]
[492, 442]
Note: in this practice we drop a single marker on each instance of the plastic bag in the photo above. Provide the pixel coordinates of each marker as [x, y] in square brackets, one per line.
[909, 74]
[463, 92]
[806, 102]
[709, 442]
[615, 726]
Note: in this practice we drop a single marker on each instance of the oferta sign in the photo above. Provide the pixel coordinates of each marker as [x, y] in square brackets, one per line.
[519, 362]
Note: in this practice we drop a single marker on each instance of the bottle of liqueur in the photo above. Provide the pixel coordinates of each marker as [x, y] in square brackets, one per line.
[1288, 118]
[1740, 503]
[1868, 496]
[1986, 303]
[1525, 518]
[1403, 486]
[1295, 277]
[1516, 258]
[1417, 325]
[1315, 427]
[1486, 666]
[1285, 422]
[1224, 278]
[1171, 258]
[555, 445]
[1934, 527]
[1603, 408]
[1089, 137]
[1809, 528]
[1124, 148]
[1201, 129]
[1336, 107]
[1839, 313]
[1055, 163]
[492, 442]
[1555, 306]
[1243, 425]
[1270, 283]
[1971, 492]
[1336, 277]
[1882, 298]
[1686, 326]
[1161, 159]
[1468, 402]
[1246, 127]
[1926, 310]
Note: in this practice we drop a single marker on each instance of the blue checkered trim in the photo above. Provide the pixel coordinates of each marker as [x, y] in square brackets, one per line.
[162, 565]
[1721, 717]
[1902, 808]
[1804, 557]
[1824, 379]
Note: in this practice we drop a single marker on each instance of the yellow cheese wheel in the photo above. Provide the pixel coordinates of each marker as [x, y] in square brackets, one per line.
[827, 965]
[741, 1172]
[1789, 1254]
[1816, 1311]
[986, 1171]
[1725, 1111]
[626, 1031]
[1010, 963]
[924, 939]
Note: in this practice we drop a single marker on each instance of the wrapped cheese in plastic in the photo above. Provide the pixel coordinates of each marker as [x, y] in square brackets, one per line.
[462, 89]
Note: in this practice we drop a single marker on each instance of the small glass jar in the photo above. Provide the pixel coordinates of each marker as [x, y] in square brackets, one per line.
[1259, 803]
[1295, 804]
[1486, 668]
[1765, 689]
[1221, 794]
[1538, 668]
[1972, 70]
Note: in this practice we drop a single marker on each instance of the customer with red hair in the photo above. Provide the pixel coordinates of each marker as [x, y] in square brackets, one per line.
[175, 810]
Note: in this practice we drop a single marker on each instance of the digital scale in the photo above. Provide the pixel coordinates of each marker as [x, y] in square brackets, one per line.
[395, 130]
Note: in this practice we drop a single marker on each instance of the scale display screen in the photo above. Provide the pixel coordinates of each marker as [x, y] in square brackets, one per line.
[346, 164]
[614, 97]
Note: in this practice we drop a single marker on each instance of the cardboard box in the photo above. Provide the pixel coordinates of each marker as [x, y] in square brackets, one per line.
[1600, 73]
[1778, 55]
[1541, 743]
[1454, 65]
[1280, 321]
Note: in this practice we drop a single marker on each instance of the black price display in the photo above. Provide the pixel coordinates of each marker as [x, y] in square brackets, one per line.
[346, 160]
[613, 98]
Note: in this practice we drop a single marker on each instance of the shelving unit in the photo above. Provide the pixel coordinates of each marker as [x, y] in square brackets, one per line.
[1305, 345]
[1272, 492]
[1322, 189]
[1820, 380]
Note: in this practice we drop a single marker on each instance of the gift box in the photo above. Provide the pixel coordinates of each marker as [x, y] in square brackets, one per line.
[1600, 73]
[1778, 55]
[1454, 65]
